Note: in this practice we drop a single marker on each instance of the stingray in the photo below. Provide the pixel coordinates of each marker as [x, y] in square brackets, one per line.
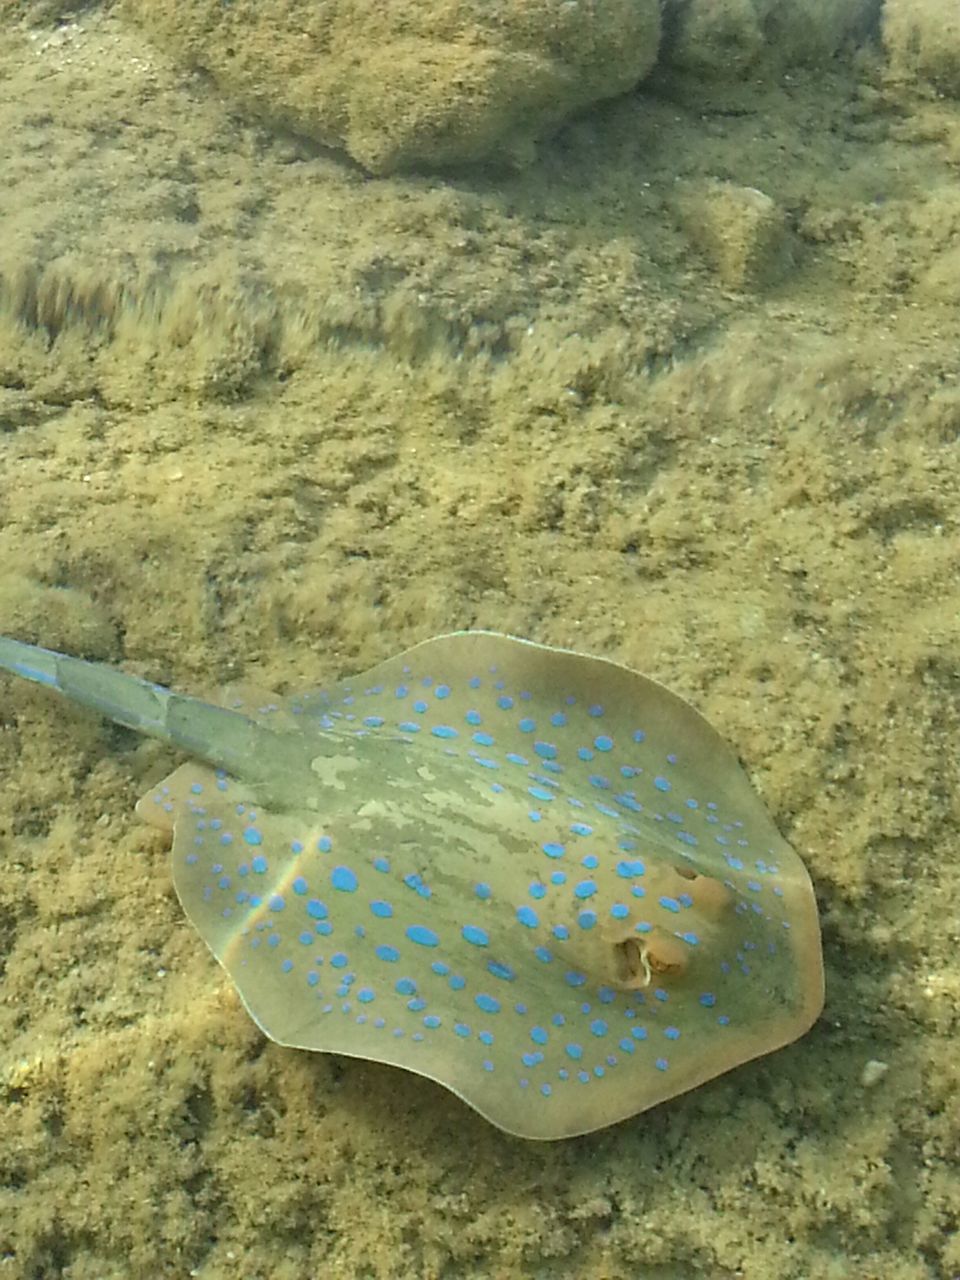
[538, 878]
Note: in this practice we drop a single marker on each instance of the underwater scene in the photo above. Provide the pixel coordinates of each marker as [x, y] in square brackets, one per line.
[480, 639]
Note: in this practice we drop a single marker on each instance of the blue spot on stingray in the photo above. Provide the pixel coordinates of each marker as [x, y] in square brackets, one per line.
[373, 722]
[423, 936]
[444, 731]
[381, 909]
[408, 726]
[543, 955]
[595, 710]
[553, 850]
[504, 702]
[573, 979]
[585, 889]
[587, 919]
[526, 725]
[276, 902]
[599, 1027]
[708, 999]
[461, 1029]
[478, 937]
[339, 960]
[558, 719]
[661, 1064]
[414, 881]
[630, 869]
[561, 931]
[484, 739]
[574, 1051]
[537, 890]
[324, 844]
[286, 965]
[619, 911]
[539, 1035]
[671, 904]
[442, 691]
[483, 891]
[603, 743]
[405, 987]
[342, 878]
[558, 877]
[662, 784]
[420, 706]
[501, 971]
[540, 793]
[487, 1003]
[252, 836]
[527, 916]
[390, 954]
[381, 864]
[545, 750]
[259, 864]
[628, 802]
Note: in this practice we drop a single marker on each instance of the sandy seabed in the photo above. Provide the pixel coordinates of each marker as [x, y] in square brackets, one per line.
[264, 417]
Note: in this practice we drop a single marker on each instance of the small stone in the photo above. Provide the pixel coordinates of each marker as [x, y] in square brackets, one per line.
[740, 230]
[873, 1072]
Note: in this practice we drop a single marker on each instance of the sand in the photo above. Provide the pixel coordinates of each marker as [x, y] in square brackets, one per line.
[265, 418]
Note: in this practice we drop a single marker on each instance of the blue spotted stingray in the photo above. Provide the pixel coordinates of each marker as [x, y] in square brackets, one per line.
[538, 878]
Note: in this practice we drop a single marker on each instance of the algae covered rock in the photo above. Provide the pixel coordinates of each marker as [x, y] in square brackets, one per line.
[404, 83]
[922, 38]
[728, 37]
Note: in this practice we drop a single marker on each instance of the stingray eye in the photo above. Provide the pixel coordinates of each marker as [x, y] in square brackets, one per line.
[664, 954]
[688, 873]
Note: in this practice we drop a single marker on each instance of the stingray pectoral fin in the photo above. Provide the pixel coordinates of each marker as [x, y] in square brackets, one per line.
[181, 792]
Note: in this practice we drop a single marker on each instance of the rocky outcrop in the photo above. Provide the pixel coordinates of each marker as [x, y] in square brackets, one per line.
[405, 84]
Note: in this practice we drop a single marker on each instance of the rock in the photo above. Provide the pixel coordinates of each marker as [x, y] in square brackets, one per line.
[922, 39]
[402, 84]
[63, 618]
[740, 231]
[725, 37]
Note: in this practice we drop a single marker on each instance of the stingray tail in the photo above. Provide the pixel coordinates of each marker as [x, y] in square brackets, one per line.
[223, 738]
